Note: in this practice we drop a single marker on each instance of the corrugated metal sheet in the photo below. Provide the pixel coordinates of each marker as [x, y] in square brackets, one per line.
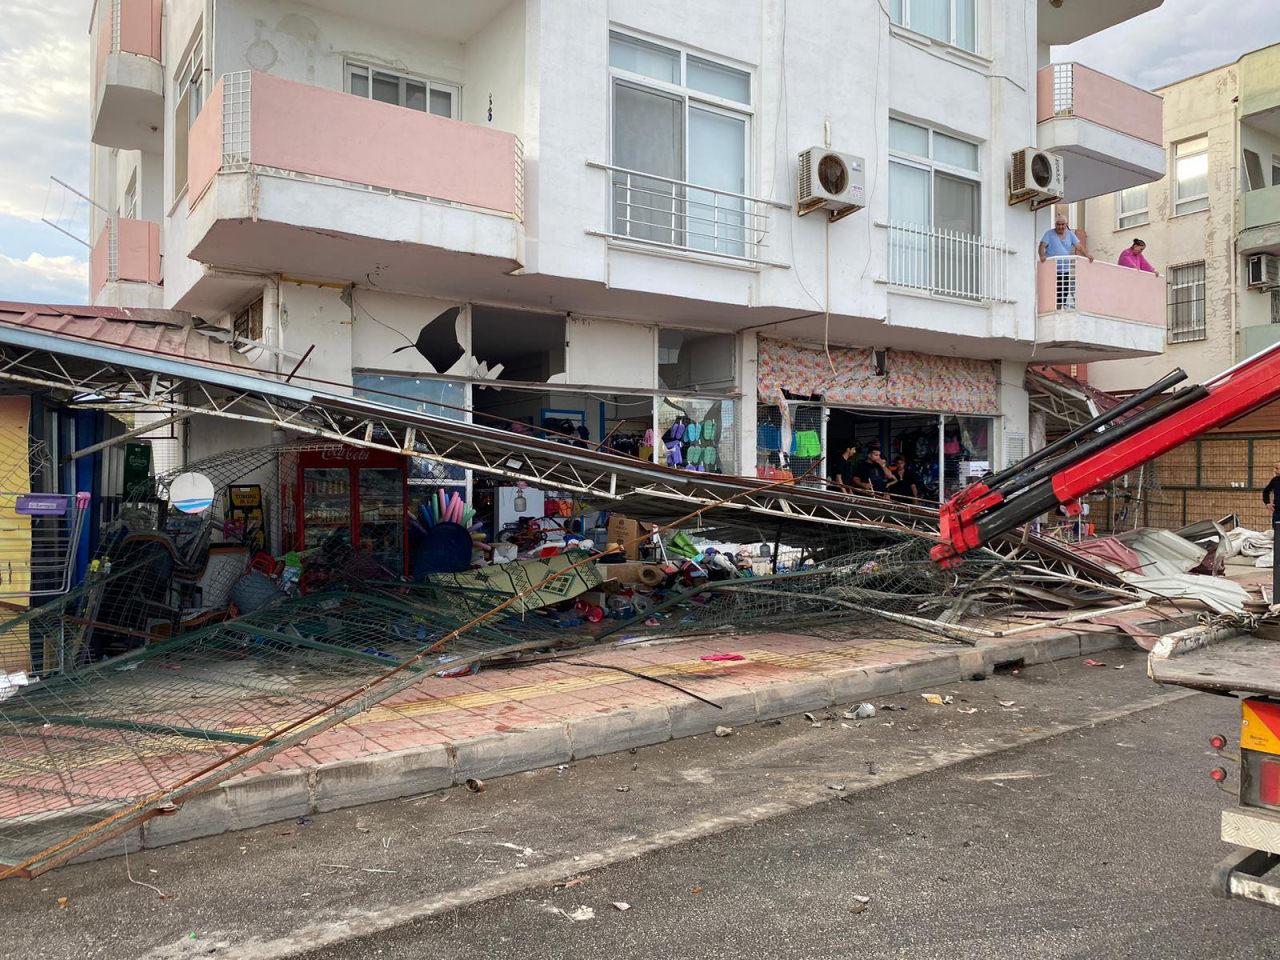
[171, 333]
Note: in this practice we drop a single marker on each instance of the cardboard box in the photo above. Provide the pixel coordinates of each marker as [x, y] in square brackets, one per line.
[626, 573]
[625, 531]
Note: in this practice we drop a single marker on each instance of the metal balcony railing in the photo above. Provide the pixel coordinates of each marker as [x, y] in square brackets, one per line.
[948, 263]
[680, 215]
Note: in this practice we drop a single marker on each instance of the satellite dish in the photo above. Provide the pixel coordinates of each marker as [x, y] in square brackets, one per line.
[191, 492]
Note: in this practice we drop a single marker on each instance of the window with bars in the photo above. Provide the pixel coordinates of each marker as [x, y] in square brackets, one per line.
[1186, 303]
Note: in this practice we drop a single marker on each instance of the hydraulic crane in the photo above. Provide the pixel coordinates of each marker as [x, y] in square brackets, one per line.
[1101, 450]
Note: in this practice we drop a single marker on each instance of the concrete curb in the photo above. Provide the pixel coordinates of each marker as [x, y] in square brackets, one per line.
[252, 801]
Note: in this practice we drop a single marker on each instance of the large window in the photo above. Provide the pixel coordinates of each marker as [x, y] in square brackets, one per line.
[1191, 176]
[189, 89]
[416, 93]
[686, 122]
[1186, 303]
[934, 210]
[951, 21]
[1131, 207]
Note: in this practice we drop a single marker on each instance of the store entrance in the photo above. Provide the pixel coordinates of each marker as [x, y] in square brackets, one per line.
[911, 435]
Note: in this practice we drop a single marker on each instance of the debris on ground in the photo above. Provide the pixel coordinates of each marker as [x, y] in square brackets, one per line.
[621, 906]
[1094, 663]
[723, 731]
[474, 785]
[864, 711]
[936, 699]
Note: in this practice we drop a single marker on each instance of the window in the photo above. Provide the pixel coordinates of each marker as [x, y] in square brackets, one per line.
[1275, 170]
[1186, 303]
[248, 323]
[1253, 177]
[685, 121]
[129, 205]
[1191, 176]
[1131, 207]
[1275, 306]
[951, 21]
[934, 210]
[188, 95]
[429, 96]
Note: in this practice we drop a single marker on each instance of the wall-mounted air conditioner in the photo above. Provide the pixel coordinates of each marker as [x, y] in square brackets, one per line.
[1035, 175]
[830, 181]
[1264, 272]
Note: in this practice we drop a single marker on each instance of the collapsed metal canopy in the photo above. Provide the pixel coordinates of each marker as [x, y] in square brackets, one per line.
[151, 379]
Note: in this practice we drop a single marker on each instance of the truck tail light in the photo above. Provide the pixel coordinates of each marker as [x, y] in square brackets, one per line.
[1269, 782]
[1217, 741]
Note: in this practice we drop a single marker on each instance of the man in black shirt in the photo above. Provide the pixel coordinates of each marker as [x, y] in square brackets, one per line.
[842, 471]
[1271, 495]
[873, 471]
[905, 485]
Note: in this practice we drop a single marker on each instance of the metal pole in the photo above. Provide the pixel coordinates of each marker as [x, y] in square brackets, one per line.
[1275, 557]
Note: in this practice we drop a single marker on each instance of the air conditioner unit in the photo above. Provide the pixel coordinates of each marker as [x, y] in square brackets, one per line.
[1264, 272]
[830, 181]
[1035, 175]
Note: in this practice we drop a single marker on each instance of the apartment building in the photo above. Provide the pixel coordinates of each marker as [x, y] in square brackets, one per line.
[1216, 213]
[582, 215]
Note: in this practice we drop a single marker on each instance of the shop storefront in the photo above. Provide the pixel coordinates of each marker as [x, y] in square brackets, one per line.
[939, 414]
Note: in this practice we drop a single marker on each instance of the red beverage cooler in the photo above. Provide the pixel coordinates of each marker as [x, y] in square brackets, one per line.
[356, 496]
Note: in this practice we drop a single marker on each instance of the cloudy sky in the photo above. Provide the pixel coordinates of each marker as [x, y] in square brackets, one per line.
[44, 111]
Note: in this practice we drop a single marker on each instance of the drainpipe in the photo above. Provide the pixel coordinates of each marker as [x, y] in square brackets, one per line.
[272, 325]
[1233, 267]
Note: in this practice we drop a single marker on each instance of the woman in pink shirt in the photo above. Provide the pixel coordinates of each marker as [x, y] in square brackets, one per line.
[1132, 257]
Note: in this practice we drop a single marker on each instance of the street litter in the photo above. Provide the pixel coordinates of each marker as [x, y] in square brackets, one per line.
[861, 899]
[474, 785]
[835, 786]
[580, 914]
[1094, 663]
[623, 789]
[620, 906]
[935, 699]
[864, 711]
[1008, 703]
[966, 710]
[722, 657]
[724, 731]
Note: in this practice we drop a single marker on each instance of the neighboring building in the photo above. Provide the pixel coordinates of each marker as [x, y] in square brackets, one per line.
[1218, 209]
[584, 213]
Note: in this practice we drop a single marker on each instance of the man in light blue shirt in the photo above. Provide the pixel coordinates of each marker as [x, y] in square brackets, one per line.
[1060, 243]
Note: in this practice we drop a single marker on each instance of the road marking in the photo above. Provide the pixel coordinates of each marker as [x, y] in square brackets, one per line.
[364, 923]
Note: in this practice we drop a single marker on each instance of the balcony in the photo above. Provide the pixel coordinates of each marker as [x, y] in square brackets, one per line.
[1260, 221]
[285, 177]
[1109, 133]
[947, 263]
[1059, 23]
[1097, 311]
[128, 82]
[124, 265]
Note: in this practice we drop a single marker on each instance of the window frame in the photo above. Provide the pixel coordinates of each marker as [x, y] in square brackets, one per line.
[936, 167]
[689, 99]
[189, 95]
[1144, 212]
[1197, 333]
[429, 83]
[128, 208]
[1176, 201]
[904, 8]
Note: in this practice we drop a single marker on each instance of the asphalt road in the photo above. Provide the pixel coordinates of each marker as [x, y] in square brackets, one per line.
[1063, 811]
[1095, 844]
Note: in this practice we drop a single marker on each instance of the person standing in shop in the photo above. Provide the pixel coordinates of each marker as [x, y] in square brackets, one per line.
[1271, 495]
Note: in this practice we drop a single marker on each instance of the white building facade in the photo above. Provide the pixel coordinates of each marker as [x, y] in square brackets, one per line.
[582, 214]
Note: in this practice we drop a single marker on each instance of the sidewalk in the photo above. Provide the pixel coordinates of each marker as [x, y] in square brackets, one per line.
[443, 732]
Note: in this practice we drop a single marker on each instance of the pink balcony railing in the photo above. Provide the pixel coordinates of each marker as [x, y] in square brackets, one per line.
[255, 119]
[125, 26]
[1100, 290]
[1073, 90]
[125, 250]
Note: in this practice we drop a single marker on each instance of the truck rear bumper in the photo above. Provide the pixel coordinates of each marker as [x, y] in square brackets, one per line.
[1249, 875]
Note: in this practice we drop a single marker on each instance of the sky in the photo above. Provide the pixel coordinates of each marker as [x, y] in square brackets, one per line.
[44, 112]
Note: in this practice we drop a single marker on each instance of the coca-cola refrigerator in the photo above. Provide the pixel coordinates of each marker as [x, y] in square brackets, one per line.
[353, 496]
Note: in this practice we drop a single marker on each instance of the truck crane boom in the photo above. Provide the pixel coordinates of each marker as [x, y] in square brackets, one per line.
[1101, 450]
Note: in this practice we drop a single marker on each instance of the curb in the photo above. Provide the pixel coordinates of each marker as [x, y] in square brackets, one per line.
[255, 800]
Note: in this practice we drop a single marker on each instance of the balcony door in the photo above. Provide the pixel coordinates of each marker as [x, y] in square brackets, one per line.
[648, 136]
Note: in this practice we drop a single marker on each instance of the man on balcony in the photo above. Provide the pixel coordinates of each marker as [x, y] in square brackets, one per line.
[1061, 243]
[1132, 257]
